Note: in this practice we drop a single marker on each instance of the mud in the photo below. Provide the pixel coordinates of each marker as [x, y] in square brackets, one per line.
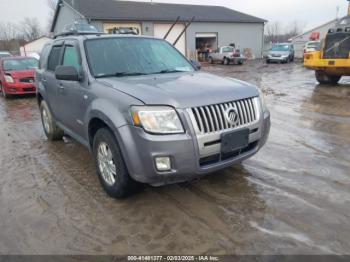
[291, 198]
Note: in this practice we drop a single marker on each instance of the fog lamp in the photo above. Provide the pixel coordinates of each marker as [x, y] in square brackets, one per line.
[163, 163]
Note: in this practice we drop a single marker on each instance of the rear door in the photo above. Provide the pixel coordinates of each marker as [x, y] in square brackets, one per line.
[49, 80]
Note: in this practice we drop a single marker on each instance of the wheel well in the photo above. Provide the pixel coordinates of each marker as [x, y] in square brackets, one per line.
[94, 125]
[39, 98]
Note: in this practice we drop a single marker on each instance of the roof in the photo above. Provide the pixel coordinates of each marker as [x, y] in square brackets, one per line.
[112, 10]
[39, 38]
[314, 29]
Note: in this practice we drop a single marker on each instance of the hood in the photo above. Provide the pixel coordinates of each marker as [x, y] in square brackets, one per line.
[183, 90]
[21, 74]
[279, 53]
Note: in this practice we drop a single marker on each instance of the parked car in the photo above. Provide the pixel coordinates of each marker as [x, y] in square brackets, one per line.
[282, 53]
[312, 46]
[4, 54]
[145, 112]
[227, 55]
[17, 75]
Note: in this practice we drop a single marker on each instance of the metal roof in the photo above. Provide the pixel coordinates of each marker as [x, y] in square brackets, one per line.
[113, 10]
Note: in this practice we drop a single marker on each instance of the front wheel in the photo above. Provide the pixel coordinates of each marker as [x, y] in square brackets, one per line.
[111, 169]
[325, 79]
[52, 131]
[226, 61]
[3, 92]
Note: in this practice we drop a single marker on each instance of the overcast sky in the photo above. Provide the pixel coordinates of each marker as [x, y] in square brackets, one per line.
[310, 12]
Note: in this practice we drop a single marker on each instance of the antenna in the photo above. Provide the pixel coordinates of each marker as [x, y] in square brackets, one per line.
[337, 12]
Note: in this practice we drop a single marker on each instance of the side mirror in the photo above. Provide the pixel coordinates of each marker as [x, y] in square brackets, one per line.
[67, 73]
[196, 64]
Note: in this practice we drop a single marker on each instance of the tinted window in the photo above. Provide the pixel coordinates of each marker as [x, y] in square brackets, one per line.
[227, 49]
[43, 56]
[20, 64]
[281, 48]
[54, 58]
[129, 55]
[71, 57]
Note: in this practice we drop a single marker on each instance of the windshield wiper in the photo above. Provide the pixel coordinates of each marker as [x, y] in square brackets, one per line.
[120, 74]
[166, 71]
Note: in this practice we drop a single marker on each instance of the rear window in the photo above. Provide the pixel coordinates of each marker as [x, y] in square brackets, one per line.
[20, 64]
[54, 58]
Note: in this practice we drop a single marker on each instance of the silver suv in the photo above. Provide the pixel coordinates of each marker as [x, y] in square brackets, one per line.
[145, 112]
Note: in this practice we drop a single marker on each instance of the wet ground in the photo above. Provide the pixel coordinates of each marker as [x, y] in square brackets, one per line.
[291, 198]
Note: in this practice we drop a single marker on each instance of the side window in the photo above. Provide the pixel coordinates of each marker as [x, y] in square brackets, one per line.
[71, 57]
[54, 58]
[43, 56]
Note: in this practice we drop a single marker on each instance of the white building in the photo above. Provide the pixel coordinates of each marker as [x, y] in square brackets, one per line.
[299, 41]
[33, 48]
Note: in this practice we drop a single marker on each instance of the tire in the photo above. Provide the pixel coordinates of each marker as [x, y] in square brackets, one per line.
[325, 79]
[240, 63]
[111, 169]
[268, 61]
[226, 61]
[52, 131]
[6, 96]
[211, 60]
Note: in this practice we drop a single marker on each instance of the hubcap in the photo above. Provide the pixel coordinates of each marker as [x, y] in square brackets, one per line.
[46, 121]
[106, 163]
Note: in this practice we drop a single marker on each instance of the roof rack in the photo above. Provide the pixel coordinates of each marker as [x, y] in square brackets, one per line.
[78, 28]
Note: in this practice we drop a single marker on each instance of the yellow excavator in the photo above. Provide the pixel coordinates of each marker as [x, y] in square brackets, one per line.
[332, 61]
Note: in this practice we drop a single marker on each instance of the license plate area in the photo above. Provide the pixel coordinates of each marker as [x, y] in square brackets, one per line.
[233, 141]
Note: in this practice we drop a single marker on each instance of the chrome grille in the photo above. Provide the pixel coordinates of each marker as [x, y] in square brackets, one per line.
[212, 118]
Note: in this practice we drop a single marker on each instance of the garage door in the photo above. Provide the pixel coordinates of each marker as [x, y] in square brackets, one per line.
[161, 29]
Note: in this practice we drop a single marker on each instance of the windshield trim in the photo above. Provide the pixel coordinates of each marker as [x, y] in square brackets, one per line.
[126, 37]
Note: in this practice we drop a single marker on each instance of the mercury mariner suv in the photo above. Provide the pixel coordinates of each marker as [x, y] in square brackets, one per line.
[146, 113]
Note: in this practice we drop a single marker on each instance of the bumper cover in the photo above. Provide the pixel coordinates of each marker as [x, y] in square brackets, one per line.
[19, 88]
[139, 150]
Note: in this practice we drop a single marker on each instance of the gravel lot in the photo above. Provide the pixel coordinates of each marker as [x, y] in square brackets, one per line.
[291, 198]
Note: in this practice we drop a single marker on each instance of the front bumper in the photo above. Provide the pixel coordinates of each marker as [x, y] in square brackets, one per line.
[140, 149]
[277, 58]
[19, 88]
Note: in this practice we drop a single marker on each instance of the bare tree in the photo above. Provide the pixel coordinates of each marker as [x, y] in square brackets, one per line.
[30, 28]
[273, 31]
[295, 28]
[277, 32]
[8, 31]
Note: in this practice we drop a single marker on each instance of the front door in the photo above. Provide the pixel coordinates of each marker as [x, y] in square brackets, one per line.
[70, 93]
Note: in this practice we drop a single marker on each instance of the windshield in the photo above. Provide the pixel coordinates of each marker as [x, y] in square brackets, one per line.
[125, 56]
[20, 64]
[313, 44]
[228, 49]
[280, 48]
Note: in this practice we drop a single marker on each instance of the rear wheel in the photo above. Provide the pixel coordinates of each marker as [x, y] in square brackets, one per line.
[111, 169]
[326, 79]
[226, 61]
[211, 60]
[52, 131]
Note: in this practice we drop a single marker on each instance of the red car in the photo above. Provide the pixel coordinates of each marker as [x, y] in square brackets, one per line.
[17, 75]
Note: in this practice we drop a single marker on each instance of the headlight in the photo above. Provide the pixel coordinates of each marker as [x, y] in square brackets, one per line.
[262, 101]
[9, 79]
[157, 119]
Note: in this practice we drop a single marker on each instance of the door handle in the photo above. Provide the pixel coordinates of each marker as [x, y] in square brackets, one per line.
[61, 87]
